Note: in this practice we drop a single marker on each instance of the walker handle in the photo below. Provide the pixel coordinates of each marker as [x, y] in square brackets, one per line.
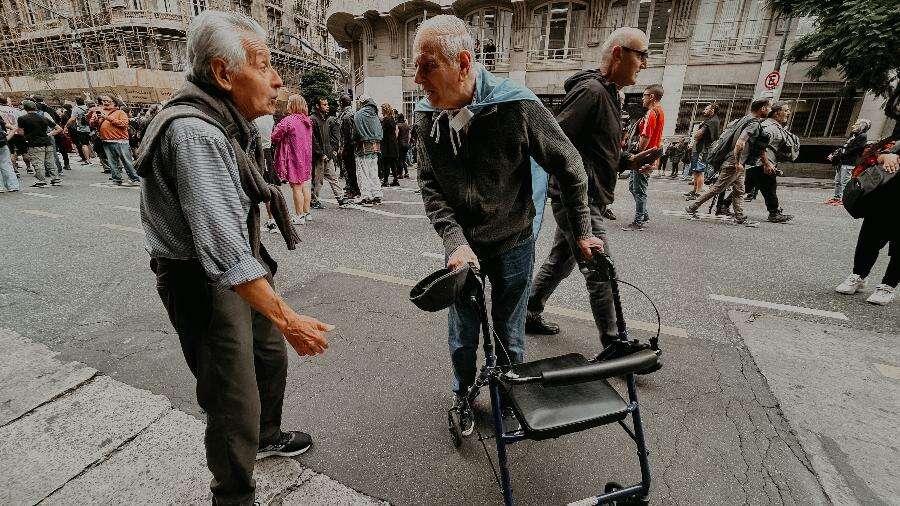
[608, 369]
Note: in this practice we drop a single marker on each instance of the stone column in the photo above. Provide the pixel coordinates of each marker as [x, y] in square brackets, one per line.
[672, 83]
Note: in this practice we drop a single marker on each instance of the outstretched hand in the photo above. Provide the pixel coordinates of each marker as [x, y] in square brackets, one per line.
[306, 335]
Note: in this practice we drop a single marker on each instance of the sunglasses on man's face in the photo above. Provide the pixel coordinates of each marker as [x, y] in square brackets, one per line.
[643, 55]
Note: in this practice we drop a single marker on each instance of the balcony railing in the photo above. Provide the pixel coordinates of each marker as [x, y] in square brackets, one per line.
[357, 76]
[730, 47]
[564, 53]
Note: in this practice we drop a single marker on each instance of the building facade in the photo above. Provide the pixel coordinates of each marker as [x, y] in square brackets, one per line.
[134, 48]
[701, 51]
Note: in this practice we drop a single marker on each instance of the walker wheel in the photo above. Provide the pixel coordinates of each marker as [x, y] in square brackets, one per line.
[454, 427]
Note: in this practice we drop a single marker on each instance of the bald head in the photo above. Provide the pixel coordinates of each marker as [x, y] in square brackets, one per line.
[624, 54]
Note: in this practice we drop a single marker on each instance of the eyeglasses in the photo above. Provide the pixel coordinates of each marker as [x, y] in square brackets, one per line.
[643, 55]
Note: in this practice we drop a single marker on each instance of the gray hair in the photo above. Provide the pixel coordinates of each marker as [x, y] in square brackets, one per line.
[218, 34]
[449, 33]
[619, 37]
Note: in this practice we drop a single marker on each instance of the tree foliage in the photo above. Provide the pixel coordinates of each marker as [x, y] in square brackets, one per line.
[858, 38]
[317, 83]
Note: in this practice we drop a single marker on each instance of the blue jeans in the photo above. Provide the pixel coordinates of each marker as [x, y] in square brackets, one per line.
[8, 179]
[841, 176]
[119, 155]
[510, 277]
[638, 187]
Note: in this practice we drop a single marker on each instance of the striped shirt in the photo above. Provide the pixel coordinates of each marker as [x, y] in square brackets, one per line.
[193, 206]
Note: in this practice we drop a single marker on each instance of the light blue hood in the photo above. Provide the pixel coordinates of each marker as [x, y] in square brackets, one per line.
[492, 90]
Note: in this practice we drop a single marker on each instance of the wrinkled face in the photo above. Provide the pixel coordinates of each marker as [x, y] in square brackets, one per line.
[443, 82]
[627, 61]
[254, 86]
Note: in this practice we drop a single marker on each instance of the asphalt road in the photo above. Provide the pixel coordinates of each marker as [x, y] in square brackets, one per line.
[74, 275]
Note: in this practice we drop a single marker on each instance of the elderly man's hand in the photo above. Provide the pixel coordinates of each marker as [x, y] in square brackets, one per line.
[462, 255]
[890, 162]
[306, 334]
[643, 158]
[588, 246]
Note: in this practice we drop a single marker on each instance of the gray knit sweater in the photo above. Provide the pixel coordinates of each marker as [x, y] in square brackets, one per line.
[482, 195]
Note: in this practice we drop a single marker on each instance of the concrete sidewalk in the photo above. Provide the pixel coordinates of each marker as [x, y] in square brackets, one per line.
[69, 435]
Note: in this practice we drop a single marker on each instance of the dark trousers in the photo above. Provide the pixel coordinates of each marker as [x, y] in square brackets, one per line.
[767, 184]
[352, 186]
[388, 166]
[674, 167]
[559, 265]
[876, 232]
[240, 363]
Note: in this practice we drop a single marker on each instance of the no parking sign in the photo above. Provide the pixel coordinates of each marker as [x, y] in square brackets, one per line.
[772, 79]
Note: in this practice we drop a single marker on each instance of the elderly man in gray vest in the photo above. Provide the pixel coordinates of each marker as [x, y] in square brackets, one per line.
[201, 187]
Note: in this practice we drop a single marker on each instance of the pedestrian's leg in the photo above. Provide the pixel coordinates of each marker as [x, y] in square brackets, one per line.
[352, 181]
[556, 267]
[216, 332]
[360, 169]
[270, 361]
[297, 197]
[599, 289]
[737, 195]
[125, 156]
[632, 187]
[726, 176]
[65, 156]
[374, 177]
[317, 176]
[640, 199]
[463, 328]
[868, 245]
[50, 163]
[840, 181]
[892, 273]
[8, 179]
[510, 275]
[37, 155]
[332, 178]
[307, 196]
[113, 161]
[767, 184]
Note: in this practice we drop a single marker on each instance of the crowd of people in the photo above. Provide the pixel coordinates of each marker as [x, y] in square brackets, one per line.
[43, 137]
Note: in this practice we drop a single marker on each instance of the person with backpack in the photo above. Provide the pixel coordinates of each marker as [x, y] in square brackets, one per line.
[704, 136]
[844, 158]
[729, 156]
[78, 129]
[768, 142]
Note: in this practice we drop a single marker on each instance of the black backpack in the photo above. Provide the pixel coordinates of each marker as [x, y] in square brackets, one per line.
[724, 145]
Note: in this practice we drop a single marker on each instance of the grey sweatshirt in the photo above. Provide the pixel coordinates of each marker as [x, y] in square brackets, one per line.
[482, 196]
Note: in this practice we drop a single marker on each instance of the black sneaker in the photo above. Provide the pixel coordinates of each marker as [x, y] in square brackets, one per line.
[39, 184]
[608, 214]
[691, 212]
[344, 203]
[366, 202]
[395, 183]
[536, 324]
[743, 220]
[633, 227]
[376, 201]
[317, 205]
[777, 217]
[289, 444]
[466, 417]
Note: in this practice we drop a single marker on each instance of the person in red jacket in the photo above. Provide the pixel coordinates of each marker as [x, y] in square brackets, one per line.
[112, 125]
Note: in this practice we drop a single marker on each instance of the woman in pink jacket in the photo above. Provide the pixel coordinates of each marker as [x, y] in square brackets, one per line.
[292, 138]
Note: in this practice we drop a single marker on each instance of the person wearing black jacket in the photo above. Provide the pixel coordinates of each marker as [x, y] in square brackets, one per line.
[388, 162]
[347, 151]
[324, 153]
[844, 158]
[590, 116]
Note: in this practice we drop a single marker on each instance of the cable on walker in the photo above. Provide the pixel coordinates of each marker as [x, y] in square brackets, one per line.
[555, 396]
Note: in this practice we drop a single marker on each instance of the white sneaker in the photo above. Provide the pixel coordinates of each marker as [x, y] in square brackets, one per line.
[271, 226]
[298, 220]
[882, 296]
[851, 285]
[307, 217]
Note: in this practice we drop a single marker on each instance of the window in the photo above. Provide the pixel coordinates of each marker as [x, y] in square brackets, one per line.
[410, 99]
[730, 25]
[733, 100]
[273, 18]
[558, 30]
[242, 6]
[819, 109]
[615, 16]
[492, 30]
[198, 6]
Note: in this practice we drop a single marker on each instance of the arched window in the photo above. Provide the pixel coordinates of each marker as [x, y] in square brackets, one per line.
[492, 30]
[557, 30]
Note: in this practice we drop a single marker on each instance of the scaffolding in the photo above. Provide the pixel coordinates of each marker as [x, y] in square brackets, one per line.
[116, 34]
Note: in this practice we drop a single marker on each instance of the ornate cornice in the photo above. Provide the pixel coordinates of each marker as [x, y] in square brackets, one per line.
[394, 33]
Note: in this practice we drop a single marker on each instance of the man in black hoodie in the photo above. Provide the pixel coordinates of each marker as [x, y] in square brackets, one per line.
[591, 117]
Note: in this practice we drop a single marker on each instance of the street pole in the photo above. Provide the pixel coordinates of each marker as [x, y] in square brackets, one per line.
[780, 57]
[78, 44]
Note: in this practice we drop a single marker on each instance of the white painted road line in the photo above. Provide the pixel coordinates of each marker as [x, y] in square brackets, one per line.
[126, 208]
[433, 255]
[888, 371]
[45, 214]
[780, 307]
[41, 195]
[559, 311]
[382, 213]
[122, 228]
[115, 186]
